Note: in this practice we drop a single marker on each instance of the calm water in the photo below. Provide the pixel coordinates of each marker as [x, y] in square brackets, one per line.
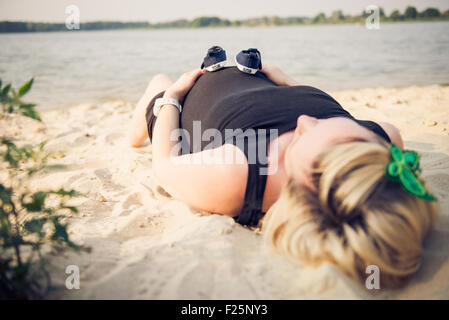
[76, 67]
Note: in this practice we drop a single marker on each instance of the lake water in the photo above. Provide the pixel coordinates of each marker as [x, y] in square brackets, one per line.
[76, 67]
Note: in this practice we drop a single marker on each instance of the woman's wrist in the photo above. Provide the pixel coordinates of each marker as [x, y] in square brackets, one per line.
[291, 82]
[171, 94]
[276, 75]
[287, 80]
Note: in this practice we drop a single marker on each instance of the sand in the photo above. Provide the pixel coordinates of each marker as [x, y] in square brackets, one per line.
[147, 246]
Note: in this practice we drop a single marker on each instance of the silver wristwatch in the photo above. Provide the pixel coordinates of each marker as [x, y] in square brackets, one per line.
[163, 101]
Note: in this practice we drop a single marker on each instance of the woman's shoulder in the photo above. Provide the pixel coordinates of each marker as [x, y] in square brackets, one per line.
[393, 132]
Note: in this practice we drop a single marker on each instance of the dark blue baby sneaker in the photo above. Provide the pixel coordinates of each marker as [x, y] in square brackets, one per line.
[249, 61]
[215, 59]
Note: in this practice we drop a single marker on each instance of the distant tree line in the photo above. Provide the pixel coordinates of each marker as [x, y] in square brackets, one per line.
[13, 26]
[410, 14]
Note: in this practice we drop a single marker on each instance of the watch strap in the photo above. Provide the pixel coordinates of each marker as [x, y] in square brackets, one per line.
[163, 101]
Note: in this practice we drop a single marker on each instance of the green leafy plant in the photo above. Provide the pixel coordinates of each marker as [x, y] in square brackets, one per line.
[10, 100]
[30, 221]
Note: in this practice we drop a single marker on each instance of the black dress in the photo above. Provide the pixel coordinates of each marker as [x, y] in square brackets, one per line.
[229, 106]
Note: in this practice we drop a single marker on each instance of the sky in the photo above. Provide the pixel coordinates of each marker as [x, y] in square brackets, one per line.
[166, 10]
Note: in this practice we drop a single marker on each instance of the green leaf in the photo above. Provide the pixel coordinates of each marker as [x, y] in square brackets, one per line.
[35, 226]
[6, 89]
[60, 232]
[27, 106]
[64, 192]
[25, 88]
[1, 84]
[42, 145]
[13, 154]
[71, 208]
[38, 201]
[31, 113]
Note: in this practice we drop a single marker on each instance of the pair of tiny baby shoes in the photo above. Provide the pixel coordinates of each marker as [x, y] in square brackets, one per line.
[248, 61]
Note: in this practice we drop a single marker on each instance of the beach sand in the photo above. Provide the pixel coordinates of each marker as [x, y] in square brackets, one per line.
[147, 246]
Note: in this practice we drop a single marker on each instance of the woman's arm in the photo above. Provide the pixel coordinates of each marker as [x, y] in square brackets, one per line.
[204, 180]
[276, 75]
[393, 133]
[137, 131]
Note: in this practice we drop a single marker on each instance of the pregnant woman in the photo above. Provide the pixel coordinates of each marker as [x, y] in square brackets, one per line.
[324, 186]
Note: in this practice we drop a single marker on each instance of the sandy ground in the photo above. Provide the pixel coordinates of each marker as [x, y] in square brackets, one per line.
[147, 246]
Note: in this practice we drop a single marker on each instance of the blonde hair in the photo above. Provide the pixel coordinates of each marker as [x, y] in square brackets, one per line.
[358, 218]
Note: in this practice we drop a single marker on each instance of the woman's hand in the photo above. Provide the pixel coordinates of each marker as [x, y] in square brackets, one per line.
[276, 75]
[179, 89]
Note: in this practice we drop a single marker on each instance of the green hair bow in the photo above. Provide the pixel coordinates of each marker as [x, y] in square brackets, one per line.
[404, 169]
